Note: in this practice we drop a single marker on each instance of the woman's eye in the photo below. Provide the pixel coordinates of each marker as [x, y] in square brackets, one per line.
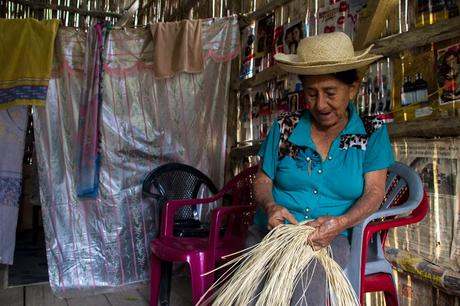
[330, 94]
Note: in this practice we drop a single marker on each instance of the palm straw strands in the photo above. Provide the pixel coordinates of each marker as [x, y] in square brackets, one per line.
[267, 273]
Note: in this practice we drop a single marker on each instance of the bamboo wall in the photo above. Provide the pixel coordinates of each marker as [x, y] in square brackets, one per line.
[81, 13]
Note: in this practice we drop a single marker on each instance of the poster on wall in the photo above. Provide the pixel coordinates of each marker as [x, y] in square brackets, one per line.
[293, 33]
[339, 16]
[278, 40]
[448, 74]
[247, 52]
[293, 99]
[436, 236]
[265, 30]
[245, 116]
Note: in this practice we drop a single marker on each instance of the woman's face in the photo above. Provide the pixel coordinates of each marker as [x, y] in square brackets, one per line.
[328, 99]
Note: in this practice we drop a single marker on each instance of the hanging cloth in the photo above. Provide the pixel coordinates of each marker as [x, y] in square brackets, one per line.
[89, 114]
[26, 53]
[13, 126]
[177, 48]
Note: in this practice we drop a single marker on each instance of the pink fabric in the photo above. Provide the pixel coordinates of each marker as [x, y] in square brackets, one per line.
[177, 48]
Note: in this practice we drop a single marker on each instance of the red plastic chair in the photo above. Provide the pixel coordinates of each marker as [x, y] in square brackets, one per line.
[227, 235]
[405, 203]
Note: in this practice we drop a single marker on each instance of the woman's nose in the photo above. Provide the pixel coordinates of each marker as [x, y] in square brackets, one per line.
[321, 102]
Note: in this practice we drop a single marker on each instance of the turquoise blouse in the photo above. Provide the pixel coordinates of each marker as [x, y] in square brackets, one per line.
[310, 187]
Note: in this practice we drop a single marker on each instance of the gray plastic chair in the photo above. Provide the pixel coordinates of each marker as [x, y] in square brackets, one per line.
[405, 202]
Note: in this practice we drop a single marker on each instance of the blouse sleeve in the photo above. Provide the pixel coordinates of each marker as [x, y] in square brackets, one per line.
[269, 151]
[379, 153]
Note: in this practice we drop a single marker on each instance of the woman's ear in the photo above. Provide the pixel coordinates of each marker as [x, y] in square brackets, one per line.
[354, 90]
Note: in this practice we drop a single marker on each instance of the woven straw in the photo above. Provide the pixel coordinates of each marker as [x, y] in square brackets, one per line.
[324, 54]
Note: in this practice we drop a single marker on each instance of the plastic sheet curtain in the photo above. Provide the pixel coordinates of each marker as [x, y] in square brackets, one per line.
[13, 126]
[94, 246]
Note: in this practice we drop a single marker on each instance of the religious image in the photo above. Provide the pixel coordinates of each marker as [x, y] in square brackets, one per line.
[448, 74]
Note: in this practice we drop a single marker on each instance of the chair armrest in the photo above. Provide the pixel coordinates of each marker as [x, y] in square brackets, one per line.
[217, 218]
[167, 218]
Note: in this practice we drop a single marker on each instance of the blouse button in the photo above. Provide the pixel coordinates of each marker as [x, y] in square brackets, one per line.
[320, 171]
[330, 158]
[315, 191]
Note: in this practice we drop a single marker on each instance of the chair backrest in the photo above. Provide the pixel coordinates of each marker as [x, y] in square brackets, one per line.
[404, 203]
[238, 192]
[403, 195]
[175, 181]
[242, 193]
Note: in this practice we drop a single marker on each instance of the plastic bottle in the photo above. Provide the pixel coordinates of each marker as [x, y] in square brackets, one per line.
[421, 89]
[407, 92]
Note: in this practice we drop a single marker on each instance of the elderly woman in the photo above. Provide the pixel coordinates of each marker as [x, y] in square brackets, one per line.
[326, 165]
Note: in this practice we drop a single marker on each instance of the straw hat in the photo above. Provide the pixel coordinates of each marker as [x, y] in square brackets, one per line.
[324, 54]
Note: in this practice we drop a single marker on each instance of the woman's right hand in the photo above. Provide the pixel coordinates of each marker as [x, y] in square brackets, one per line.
[277, 214]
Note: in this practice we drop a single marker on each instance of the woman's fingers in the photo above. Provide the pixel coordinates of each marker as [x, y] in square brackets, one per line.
[290, 217]
[277, 215]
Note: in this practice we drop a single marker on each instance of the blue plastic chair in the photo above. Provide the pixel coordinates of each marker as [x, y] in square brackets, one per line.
[405, 203]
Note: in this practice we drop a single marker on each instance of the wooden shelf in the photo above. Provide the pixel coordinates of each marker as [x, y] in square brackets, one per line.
[387, 46]
[241, 152]
[260, 78]
[441, 127]
[446, 29]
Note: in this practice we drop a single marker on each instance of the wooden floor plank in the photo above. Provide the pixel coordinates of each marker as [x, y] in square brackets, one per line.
[145, 292]
[12, 296]
[177, 300]
[41, 295]
[126, 298]
[95, 300]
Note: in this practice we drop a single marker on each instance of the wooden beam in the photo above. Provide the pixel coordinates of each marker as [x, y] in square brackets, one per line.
[182, 11]
[372, 22]
[128, 14]
[40, 6]
[440, 277]
[239, 153]
[266, 9]
[440, 31]
[259, 78]
[440, 127]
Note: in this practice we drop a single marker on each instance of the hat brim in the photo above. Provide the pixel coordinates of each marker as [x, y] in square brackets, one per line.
[325, 67]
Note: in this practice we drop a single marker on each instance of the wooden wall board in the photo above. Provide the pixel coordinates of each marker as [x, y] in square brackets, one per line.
[41, 295]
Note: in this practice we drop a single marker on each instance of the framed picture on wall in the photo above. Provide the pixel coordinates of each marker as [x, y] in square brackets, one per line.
[293, 33]
[448, 74]
[294, 104]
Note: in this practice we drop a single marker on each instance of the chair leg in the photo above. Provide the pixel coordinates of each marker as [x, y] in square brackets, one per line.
[200, 283]
[391, 297]
[155, 278]
[165, 283]
[381, 282]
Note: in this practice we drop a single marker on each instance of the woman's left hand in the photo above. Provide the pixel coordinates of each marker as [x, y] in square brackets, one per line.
[327, 228]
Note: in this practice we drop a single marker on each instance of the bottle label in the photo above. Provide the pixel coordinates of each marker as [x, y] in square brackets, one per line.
[404, 100]
[422, 95]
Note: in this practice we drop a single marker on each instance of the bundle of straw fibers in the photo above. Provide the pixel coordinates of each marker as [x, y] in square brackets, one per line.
[266, 274]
